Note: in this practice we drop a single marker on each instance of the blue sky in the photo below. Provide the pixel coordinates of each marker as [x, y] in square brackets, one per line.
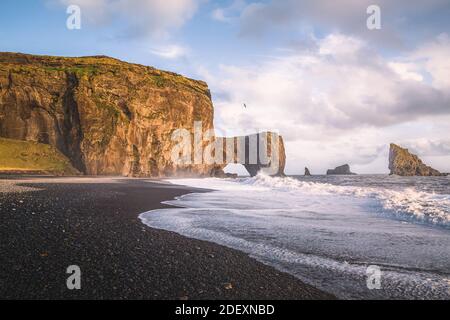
[39, 27]
[337, 91]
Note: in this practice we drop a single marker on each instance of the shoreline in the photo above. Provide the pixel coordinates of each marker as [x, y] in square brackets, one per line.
[327, 235]
[94, 223]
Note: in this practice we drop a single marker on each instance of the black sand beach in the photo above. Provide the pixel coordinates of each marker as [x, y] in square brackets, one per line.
[93, 223]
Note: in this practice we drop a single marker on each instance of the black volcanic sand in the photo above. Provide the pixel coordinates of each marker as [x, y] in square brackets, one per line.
[93, 223]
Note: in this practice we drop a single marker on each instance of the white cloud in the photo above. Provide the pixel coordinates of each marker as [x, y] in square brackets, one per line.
[142, 17]
[339, 45]
[347, 16]
[434, 57]
[407, 71]
[341, 85]
[429, 147]
[94, 11]
[219, 15]
[172, 51]
[341, 95]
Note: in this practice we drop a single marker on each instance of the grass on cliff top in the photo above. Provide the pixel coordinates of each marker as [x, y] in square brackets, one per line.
[166, 78]
[27, 156]
[79, 70]
[93, 65]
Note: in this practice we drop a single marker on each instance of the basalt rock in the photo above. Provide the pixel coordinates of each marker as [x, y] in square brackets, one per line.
[106, 116]
[344, 169]
[307, 173]
[219, 173]
[404, 163]
[260, 152]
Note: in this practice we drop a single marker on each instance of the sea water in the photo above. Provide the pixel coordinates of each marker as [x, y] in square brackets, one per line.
[327, 230]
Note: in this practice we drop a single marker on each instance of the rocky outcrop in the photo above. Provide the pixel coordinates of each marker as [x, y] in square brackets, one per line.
[107, 116]
[344, 169]
[307, 173]
[262, 152]
[404, 163]
[219, 173]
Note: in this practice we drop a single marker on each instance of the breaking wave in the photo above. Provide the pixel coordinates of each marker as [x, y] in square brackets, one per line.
[406, 203]
[327, 230]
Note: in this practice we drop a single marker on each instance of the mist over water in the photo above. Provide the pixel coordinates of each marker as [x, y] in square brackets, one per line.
[327, 230]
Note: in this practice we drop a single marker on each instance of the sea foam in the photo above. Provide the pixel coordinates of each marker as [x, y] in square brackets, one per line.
[326, 230]
[404, 203]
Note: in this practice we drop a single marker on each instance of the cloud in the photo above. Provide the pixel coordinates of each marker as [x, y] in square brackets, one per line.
[340, 86]
[339, 102]
[429, 147]
[347, 16]
[407, 71]
[219, 15]
[95, 12]
[434, 58]
[141, 17]
[172, 51]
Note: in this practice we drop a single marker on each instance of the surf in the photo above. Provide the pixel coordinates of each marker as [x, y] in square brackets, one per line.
[326, 230]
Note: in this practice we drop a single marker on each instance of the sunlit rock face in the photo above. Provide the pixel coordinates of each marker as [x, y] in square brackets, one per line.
[404, 163]
[107, 116]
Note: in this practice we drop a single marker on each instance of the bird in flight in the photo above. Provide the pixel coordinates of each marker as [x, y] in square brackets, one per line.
[245, 106]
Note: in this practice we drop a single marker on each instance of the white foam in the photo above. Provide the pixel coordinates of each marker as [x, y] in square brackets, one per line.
[323, 233]
[408, 203]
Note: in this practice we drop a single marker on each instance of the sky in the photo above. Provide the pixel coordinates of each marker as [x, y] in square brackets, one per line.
[337, 91]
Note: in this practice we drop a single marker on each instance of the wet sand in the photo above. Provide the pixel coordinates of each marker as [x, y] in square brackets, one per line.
[47, 224]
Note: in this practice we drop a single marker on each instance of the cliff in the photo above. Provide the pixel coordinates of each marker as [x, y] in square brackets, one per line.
[106, 116]
[344, 169]
[404, 163]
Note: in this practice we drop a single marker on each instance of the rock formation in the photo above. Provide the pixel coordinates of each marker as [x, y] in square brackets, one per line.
[257, 152]
[344, 169]
[307, 173]
[107, 116]
[404, 163]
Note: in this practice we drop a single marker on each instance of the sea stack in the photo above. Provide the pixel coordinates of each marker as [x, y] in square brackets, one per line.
[307, 173]
[344, 169]
[404, 163]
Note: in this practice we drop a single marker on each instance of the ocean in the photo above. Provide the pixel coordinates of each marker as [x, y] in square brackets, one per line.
[330, 231]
